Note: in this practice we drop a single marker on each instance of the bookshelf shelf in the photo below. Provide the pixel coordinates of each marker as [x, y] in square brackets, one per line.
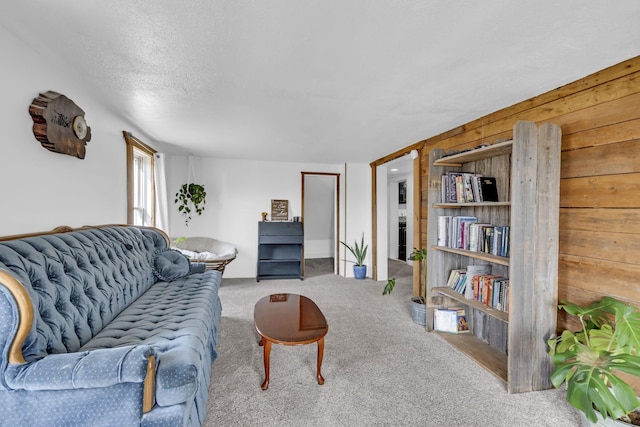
[476, 255]
[483, 354]
[467, 205]
[527, 171]
[477, 305]
[497, 149]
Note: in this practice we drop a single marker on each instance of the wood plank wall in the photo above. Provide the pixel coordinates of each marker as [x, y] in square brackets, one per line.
[600, 178]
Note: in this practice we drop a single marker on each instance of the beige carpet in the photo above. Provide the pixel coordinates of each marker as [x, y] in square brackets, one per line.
[380, 368]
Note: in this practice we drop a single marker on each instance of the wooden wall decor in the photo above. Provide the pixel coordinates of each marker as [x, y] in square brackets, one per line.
[59, 124]
[279, 210]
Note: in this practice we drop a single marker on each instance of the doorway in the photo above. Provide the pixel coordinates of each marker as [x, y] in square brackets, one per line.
[320, 208]
[396, 181]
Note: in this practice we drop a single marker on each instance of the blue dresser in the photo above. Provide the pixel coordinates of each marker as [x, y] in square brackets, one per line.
[280, 250]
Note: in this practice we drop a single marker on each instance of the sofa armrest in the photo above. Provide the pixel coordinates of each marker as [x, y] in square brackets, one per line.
[88, 369]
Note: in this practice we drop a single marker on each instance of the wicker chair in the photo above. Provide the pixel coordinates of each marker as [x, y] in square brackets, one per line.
[215, 254]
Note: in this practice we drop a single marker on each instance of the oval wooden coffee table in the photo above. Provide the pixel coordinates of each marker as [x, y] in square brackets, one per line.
[289, 319]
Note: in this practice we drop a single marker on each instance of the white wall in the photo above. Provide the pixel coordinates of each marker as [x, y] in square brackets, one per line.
[41, 189]
[358, 219]
[382, 202]
[239, 190]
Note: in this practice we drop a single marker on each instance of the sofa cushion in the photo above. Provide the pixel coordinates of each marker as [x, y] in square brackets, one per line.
[170, 265]
[176, 319]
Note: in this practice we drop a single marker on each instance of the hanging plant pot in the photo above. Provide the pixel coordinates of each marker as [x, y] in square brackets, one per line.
[190, 198]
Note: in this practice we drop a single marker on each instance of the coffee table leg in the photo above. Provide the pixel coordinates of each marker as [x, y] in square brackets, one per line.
[320, 355]
[267, 358]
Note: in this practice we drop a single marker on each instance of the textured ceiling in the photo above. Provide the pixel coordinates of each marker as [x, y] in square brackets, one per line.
[319, 81]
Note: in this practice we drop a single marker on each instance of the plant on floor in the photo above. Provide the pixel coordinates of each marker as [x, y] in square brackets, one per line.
[190, 194]
[590, 359]
[416, 255]
[391, 283]
[421, 255]
[359, 252]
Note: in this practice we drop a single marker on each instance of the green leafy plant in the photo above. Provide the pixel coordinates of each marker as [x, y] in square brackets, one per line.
[589, 360]
[391, 283]
[179, 240]
[421, 255]
[359, 252]
[416, 255]
[188, 195]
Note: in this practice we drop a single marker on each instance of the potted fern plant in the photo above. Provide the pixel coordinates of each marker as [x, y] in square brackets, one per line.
[359, 252]
[589, 361]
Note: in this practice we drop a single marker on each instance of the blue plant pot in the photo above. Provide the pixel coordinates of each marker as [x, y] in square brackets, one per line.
[360, 271]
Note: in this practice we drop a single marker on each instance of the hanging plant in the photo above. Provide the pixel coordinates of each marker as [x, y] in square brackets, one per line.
[190, 194]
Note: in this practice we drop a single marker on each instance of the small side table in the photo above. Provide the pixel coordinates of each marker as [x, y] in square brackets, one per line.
[289, 319]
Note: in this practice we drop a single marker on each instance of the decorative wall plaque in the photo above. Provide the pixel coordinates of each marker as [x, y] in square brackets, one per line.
[279, 210]
[59, 124]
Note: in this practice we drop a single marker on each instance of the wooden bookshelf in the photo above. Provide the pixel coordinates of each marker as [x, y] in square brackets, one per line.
[512, 346]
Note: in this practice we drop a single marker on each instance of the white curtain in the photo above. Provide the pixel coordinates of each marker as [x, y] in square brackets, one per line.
[162, 205]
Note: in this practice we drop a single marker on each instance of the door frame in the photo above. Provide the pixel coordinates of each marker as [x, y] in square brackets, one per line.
[336, 256]
[415, 215]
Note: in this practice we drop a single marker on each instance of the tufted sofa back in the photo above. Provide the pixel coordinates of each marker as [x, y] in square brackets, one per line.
[79, 281]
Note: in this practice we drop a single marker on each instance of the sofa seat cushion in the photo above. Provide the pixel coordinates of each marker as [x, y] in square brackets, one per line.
[175, 318]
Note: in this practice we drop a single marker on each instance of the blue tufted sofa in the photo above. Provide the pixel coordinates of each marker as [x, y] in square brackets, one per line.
[104, 326]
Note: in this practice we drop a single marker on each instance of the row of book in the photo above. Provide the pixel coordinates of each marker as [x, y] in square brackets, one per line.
[461, 187]
[452, 320]
[465, 232]
[477, 283]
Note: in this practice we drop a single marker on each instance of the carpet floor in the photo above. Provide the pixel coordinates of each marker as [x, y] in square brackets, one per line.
[380, 368]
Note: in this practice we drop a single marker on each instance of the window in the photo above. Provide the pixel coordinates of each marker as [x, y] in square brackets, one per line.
[141, 207]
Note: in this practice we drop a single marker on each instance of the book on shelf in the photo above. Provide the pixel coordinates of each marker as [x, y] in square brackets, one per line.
[468, 184]
[500, 294]
[457, 237]
[465, 187]
[491, 290]
[476, 235]
[487, 188]
[474, 271]
[452, 320]
[489, 238]
[454, 277]
[448, 187]
[500, 242]
[444, 223]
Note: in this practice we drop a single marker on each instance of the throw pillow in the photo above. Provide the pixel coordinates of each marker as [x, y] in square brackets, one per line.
[171, 265]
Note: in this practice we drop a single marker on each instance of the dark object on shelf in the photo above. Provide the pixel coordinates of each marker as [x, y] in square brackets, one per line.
[280, 250]
[402, 192]
[487, 189]
[402, 239]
